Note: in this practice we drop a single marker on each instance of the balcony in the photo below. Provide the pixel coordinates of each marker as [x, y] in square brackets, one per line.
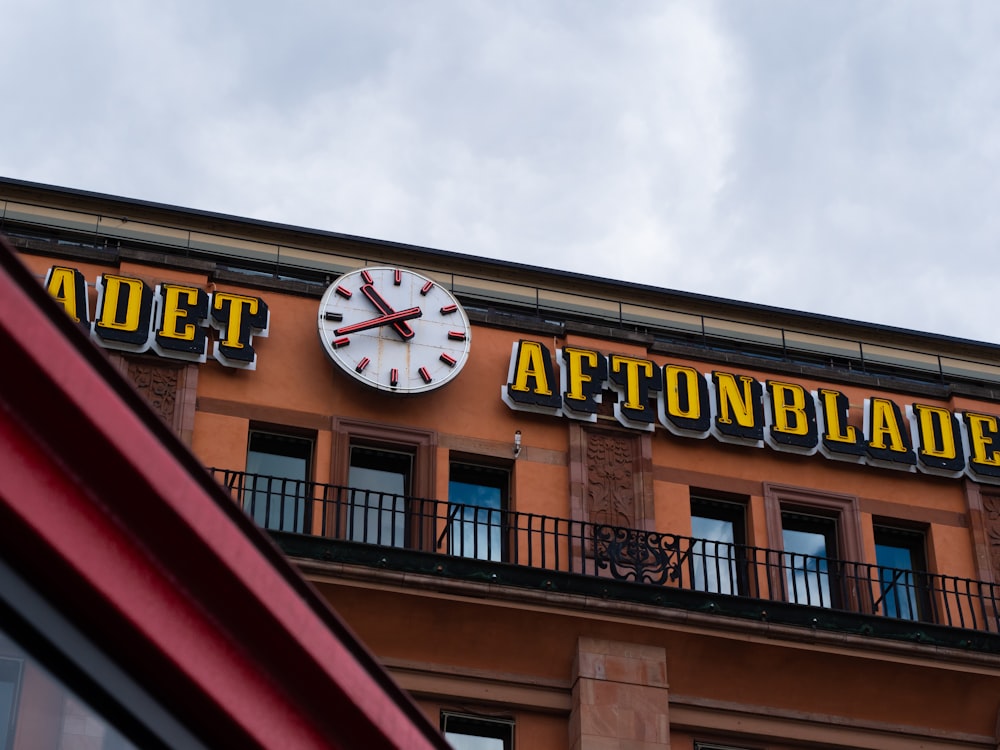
[357, 526]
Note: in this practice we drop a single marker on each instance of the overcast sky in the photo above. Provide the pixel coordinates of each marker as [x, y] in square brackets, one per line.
[835, 157]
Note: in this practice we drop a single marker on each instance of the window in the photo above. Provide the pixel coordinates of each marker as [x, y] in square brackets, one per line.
[809, 541]
[818, 532]
[278, 492]
[10, 680]
[37, 710]
[380, 480]
[477, 497]
[717, 560]
[465, 732]
[387, 469]
[901, 573]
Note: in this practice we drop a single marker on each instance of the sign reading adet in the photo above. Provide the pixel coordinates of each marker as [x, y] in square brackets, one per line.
[170, 319]
[394, 330]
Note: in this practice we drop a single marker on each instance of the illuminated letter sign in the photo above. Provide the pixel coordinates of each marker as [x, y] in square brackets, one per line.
[887, 441]
[791, 417]
[173, 319]
[582, 377]
[68, 287]
[530, 379]
[239, 319]
[180, 325]
[739, 414]
[839, 440]
[686, 406]
[634, 380]
[736, 408]
[124, 313]
[984, 446]
[938, 440]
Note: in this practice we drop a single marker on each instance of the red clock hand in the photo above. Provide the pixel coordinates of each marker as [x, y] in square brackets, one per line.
[385, 308]
[393, 318]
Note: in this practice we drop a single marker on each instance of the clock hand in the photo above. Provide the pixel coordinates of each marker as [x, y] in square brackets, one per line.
[393, 318]
[401, 327]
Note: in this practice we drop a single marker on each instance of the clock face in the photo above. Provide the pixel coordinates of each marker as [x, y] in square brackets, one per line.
[394, 329]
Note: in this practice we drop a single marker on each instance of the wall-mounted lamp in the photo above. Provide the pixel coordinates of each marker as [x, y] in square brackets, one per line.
[517, 444]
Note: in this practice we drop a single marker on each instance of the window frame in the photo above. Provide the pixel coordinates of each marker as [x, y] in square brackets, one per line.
[492, 727]
[302, 488]
[843, 510]
[421, 444]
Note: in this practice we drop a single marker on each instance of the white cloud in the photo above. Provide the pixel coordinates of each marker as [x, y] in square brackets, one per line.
[837, 158]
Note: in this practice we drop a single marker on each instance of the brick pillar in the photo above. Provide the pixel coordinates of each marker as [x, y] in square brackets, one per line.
[620, 697]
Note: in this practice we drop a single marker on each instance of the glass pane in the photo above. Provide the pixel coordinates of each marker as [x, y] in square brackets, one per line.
[476, 521]
[10, 677]
[378, 510]
[379, 481]
[713, 556]
[43, 712]
[278, 495]
[469, 742]
[806, 567]
[473, 733]
[899, 595]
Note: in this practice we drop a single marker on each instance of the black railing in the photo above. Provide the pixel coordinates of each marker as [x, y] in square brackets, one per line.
[615, 552]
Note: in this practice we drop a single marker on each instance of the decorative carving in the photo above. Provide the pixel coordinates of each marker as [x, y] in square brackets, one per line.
[611, 496]
[991, 512]
[158, 385]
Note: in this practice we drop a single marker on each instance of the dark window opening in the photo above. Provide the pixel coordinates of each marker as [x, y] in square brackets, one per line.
[465, 732]
[478, 500]
[278, 494]
[380, 480]
[717, 562]
[902, 573]
[10, 681]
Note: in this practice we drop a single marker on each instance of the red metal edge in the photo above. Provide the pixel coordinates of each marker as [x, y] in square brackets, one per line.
[145, 551]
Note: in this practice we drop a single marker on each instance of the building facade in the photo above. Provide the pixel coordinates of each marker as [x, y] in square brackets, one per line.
[566, 512]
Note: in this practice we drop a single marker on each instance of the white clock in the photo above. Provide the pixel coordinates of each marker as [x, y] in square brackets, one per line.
[394, 329]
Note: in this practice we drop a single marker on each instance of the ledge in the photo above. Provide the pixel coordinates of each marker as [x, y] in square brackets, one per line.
[763, 618]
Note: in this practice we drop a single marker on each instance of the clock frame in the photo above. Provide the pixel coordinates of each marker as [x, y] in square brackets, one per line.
[394, 330]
